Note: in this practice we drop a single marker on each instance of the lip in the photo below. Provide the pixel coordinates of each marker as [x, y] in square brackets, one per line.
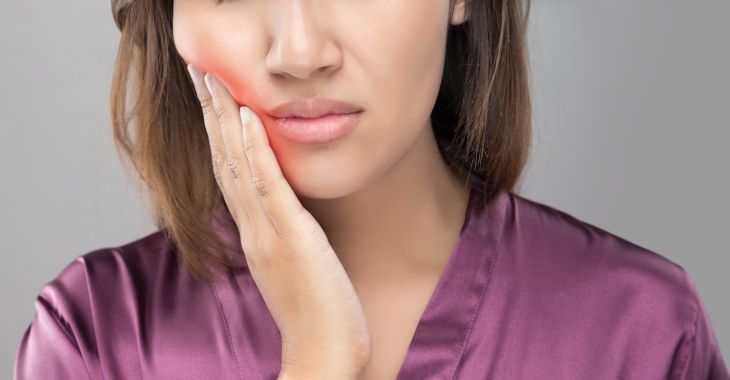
[318, 130]
[315, 120]
[313, 108]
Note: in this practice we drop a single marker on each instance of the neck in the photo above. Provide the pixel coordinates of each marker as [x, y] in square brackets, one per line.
[408, 220]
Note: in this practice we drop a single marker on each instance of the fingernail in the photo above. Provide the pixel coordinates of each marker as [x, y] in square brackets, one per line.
[245, 115]
[210, 83]
[195, 74]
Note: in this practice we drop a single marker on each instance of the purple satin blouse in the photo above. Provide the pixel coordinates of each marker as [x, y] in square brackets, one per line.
[529, 292]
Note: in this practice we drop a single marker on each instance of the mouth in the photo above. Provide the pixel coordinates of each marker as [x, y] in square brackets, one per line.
[317, 130]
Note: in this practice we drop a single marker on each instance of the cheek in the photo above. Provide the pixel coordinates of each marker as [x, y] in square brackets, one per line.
[416, 50]
[212, 51]
[405, 51]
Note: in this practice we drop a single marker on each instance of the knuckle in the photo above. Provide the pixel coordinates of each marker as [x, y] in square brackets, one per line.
[262, 261]
[268, 246]
[233, 164]
[218, 108]
[260, 183]
[218, 177]
[215, 153]
[206, 103]
[264, 254]
[216, 163]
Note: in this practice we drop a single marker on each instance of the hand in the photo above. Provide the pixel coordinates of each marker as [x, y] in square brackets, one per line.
[306, 289]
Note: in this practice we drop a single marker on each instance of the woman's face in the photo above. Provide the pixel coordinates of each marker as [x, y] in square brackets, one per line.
[385, 56]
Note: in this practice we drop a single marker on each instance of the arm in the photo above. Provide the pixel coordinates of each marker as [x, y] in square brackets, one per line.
[48, 349]
[698, 354]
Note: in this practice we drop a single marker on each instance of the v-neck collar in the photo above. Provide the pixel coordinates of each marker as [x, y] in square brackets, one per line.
[446, 323]
[444, 327]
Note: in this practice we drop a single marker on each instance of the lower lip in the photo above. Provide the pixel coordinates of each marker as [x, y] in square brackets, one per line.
[319, 130]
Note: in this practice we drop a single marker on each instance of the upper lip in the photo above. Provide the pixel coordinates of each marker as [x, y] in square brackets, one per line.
[313, 108]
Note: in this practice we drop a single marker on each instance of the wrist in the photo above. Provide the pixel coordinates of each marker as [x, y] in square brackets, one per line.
[298, 363]
[320, 373]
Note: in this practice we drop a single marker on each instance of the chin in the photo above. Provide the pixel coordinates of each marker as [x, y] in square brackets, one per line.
[320, 183]
[320, 173]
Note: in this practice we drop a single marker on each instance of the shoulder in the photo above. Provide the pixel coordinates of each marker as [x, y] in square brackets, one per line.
[95, 307]
[610, 289]
[110, 274]
[599, 267]
[577, 242]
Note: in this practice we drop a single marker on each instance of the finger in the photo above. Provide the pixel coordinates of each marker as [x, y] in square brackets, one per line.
[277, 197]
[217, 149]
[236, 167]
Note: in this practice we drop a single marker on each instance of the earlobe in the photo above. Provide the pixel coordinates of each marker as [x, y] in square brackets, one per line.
[459, 15]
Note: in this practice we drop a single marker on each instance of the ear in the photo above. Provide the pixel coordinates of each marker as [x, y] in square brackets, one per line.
[459, 14]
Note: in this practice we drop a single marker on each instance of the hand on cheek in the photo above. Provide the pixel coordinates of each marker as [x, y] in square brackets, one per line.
[288, 253]
[244, 164]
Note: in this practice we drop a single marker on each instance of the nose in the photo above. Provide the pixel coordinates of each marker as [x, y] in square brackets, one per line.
[300, 47]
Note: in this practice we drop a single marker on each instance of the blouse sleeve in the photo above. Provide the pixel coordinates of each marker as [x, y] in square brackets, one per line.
[698, 356]
[48, 349]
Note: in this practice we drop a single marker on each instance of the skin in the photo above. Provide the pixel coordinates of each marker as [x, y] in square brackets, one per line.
[390, 208]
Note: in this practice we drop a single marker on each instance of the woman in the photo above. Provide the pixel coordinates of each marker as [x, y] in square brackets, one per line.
[333, 186]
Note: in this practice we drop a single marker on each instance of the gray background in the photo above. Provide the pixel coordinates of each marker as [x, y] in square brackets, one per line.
[630, 135]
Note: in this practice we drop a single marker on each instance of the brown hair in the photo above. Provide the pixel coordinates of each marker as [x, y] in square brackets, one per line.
[481, 118]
